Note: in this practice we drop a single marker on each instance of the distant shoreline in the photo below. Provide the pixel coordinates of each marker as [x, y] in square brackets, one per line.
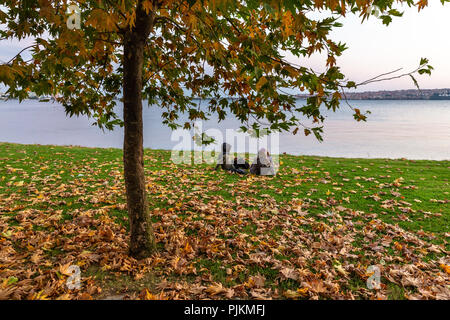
[396, 95]
[413, 94]
[297, 98]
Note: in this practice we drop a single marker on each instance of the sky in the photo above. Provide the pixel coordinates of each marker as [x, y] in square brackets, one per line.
[374, 48]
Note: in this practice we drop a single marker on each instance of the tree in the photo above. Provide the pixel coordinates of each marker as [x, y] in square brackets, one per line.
[170, 51]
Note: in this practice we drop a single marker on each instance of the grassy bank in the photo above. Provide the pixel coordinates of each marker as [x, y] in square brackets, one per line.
[310, 232]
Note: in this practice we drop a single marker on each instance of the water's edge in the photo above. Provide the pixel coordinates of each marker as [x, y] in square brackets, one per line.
[289, 154]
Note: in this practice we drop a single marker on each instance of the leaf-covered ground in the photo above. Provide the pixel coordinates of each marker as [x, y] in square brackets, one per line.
[311, 232]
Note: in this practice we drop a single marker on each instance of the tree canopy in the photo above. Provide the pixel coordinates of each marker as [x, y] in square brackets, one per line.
[209, 49]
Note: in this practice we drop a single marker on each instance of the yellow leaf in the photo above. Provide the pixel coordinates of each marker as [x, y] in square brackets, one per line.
[288, 21]
[149, 295]
[445, 268]
[262, 81]
[147, 6]
[291, 294]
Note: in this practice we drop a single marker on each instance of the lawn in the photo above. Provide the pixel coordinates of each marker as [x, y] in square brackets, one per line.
[311, 232]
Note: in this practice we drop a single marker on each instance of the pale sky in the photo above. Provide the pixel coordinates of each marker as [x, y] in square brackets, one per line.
[375, 48]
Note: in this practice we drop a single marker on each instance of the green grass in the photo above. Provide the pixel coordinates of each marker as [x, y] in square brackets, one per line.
[46, 167]
[64, 181]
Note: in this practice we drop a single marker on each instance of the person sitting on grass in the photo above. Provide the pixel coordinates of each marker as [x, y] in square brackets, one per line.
[263, 164]
[240, 163]
[226, 162]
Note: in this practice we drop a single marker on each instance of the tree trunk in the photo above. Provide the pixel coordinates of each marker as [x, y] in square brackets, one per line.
[142, 242]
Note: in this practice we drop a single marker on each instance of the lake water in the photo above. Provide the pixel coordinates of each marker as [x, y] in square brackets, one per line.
[395, 129]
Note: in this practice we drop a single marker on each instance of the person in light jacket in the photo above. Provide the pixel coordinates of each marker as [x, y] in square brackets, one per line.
[263, 164]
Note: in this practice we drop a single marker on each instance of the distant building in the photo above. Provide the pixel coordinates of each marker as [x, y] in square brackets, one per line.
[425, 94]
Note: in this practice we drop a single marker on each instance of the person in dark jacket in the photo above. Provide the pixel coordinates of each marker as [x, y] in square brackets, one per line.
[240, 163]
[227, 163]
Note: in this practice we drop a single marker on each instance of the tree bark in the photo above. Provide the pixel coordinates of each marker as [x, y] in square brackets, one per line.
[142, 242]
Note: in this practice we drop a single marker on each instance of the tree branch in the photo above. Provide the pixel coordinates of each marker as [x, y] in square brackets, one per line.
[12, 59]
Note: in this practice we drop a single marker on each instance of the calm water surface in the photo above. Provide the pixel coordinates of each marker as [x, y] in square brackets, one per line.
[395, 129]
